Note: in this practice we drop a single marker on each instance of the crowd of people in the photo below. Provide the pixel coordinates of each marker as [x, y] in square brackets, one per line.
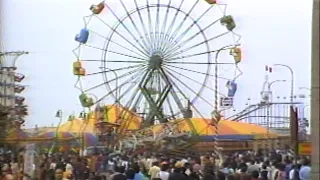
[235, 166]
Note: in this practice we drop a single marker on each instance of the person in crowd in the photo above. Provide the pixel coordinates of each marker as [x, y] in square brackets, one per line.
[242, 175]
[154, 170]
[305, 170]
[130, 174]
[163, 174]
[280, 174]
[119, 174]
[255, 175]
[138, 175]
[177, 172]
[253, 167]
[264, 173]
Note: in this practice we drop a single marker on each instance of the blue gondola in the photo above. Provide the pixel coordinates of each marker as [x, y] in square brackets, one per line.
[232, 88]
[83, 36]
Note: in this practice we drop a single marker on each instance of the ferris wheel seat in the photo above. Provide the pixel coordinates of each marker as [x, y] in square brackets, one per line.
[228, 21]
[211, 1]
[85, 100]
[83, 36]
[232, 88]
[18, 77]
[19, 99]
[97, 9]
[78, 70]
[19, 88]
[236, 53]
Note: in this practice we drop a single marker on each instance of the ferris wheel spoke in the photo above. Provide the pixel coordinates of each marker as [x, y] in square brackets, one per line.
[121, 54]
[113, 61]
[138, 70]
[135, 96]
[174, 53]
[193, 80]
[114, 52]
[193, 71]
[174, 19]
[199, 54]
[136, 75]
[156, 27]
[176, 31]
[114, 70]
[150, 25]
[167, 38]
[186, 86]
[201, 31]
[186, 97]
[184, 33]
[176, 97]
[164, 27]
[207, 63]
[108, 39]
[127, 29]
[143, 24]
[135, 27]
[124, 38]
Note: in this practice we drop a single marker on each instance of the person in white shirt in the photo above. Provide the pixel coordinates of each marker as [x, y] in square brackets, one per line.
[163, 174]
[291, 174]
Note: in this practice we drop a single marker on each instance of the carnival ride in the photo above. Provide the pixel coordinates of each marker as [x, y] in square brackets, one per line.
[159, 61]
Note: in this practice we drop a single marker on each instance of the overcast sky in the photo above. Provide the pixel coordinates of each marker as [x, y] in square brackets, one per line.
[273, 31]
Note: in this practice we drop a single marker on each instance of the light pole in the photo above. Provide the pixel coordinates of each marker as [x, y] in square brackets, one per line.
[269, 102]
[270, 86]
[292, 80]
[59, 114]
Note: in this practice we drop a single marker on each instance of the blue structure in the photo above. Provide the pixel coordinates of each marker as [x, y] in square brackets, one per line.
[83, 36]
[232, 88]
[238, 137]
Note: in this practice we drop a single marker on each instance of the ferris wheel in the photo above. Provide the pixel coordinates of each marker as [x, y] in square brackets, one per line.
[162, 59]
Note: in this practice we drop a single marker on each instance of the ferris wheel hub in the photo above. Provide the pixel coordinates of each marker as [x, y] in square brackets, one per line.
[155, 61]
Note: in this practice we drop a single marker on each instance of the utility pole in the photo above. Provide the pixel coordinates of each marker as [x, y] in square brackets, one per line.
[315, 78]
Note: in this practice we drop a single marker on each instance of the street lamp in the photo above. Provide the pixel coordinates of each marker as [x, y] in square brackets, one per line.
[302, 96]
[305, 88]
[292, 80]
[83, 115]
[270, 99]
[270, 86]
[59, 114]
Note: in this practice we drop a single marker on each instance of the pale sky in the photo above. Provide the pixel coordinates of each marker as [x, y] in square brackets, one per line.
[273, 31]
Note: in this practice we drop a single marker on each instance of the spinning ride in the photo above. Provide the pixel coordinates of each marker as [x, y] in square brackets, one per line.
[157, 60]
